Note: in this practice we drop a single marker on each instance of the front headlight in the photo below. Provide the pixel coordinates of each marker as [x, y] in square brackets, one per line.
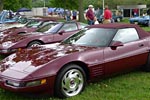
[7, 44]
[28, 84]
[8, 50]
[1, 34]
[13, 83]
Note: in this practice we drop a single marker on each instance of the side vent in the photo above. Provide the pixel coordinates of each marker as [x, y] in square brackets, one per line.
[97, 71]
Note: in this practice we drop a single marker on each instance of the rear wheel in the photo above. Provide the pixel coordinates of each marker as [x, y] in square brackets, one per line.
[70, 81]
[34, 44]
[147, 66]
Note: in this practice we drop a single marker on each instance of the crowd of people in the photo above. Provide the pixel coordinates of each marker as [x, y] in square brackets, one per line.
[91, 15]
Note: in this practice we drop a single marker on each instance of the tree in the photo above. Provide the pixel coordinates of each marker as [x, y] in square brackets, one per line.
[11, 4]
[81, 10]
[1, 5]
[14, 4]
[25, 3]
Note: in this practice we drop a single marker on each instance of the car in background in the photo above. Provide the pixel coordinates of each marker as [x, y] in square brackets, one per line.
[31, 26]
[63, 69]
[22, 21]
[134, 20]
[6, 18]
[115, 18]
[145, 20]
[44, 35]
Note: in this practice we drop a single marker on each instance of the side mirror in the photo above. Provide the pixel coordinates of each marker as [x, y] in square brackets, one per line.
[61, 32]
[116, 44]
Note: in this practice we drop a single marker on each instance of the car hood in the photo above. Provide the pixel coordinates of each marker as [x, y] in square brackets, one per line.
[8, 31]
[29, 60]
[7, 26]
[16, 38]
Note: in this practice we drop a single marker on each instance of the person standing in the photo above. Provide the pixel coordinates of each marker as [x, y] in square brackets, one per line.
[68, 15]
[74, 15]
[107, 15]
[90, 15]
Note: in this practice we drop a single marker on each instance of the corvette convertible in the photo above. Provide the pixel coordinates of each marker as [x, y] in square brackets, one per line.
[50, 35]
[63, 69]
[31, 26]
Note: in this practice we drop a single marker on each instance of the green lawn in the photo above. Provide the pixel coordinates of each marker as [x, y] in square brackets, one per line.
[130, 86]
[146, 28]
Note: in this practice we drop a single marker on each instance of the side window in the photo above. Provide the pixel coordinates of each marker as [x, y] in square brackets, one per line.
[126, 35]
[69, 27]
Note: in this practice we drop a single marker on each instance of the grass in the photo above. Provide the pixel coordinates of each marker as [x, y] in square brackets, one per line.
[146, 28]
[130, 86]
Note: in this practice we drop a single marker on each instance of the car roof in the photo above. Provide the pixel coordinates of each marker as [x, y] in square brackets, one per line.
[142, 33]
[113, 25]
[42, 19]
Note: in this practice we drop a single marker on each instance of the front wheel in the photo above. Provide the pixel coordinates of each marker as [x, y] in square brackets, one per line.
[70, 81]
[34, 44]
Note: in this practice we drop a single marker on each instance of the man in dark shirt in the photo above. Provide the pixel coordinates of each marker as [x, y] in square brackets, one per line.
[90, 15]
[107, 15]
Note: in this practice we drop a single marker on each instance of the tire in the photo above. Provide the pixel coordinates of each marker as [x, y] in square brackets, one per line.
[118, 20]
[147, 66]
[71, 81]
[34, 44]
[148, 24]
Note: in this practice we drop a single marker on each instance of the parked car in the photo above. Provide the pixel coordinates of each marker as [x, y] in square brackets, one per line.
[62, 69]
[21, 22]
[50, 35]
[115, 18]
[31, 26]
[145, 20]
[5, 17]
[134, 20]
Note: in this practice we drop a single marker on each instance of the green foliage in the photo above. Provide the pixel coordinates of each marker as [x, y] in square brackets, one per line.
[68, 4]
[1, 5]
[16, 4]
[11, 4]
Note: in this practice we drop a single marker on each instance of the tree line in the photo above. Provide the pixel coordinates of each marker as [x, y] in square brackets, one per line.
[80, 5]
[69, 4]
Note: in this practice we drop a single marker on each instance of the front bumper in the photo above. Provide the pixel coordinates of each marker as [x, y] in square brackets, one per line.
[44, 88]
[7, 51]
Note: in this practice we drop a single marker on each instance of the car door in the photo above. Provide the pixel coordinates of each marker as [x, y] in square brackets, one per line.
[132, 54]
[68, 28]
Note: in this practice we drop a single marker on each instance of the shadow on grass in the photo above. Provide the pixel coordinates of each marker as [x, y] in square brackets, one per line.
[7, 95]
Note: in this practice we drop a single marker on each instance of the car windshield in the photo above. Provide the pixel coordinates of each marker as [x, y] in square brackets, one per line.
[54, 29]
[93, 37]
[46, 27]
[33, 23]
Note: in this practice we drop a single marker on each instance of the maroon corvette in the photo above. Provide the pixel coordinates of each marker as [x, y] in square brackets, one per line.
[31, 26]
[57, 33]
[63, 69]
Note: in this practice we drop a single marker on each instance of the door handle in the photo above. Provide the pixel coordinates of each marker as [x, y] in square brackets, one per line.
[141, 45]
